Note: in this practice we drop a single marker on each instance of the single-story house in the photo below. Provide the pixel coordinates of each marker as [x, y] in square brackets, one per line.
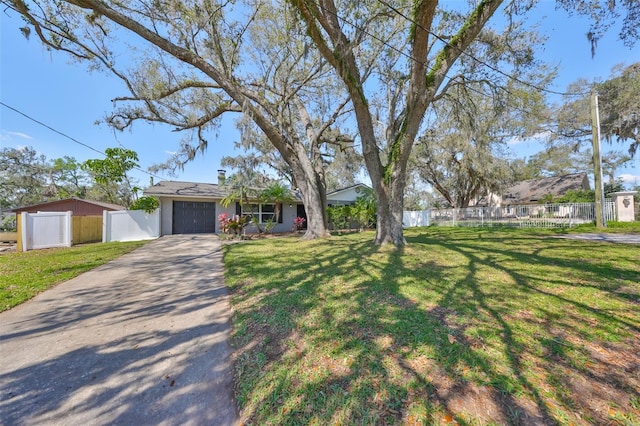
[194, 207]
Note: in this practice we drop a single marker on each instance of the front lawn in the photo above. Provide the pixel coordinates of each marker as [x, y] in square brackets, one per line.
[464, 326]
[25, 274]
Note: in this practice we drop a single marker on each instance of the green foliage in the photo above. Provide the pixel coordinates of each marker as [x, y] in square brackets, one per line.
[339, 217]
[113, 168]
[582, 195]
[364, 209]
[362, 212]
[618, 106]
[277, 194]
[9, 223]
[110, 175]
[69, 178]
[269, 225]
[148, 204]
[23, 177]
[577, 196]
[241, 188]
[464, 155]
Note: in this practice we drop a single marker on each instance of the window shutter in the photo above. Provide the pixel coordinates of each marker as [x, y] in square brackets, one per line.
[238, 209]
[281, 207]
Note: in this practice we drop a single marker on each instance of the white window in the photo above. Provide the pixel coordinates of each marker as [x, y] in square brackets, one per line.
[263, 212]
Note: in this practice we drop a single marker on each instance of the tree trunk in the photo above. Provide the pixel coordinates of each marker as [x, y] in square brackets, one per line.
[315, 207]
[390, 203]
[313, 191]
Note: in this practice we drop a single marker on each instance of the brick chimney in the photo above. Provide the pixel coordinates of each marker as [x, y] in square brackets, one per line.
[221, 176]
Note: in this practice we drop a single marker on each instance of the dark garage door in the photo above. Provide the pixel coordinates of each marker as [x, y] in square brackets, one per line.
[191, 217]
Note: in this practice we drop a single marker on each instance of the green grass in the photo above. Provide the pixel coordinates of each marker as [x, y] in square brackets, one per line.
[25, 274]
[466, 326]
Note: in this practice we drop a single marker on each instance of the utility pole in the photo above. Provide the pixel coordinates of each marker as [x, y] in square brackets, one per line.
[597, 161]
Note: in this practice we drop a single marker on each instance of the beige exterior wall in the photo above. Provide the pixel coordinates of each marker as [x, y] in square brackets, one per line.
[166, 215]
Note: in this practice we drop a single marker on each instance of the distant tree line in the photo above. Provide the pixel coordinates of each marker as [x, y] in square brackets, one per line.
[28, 178]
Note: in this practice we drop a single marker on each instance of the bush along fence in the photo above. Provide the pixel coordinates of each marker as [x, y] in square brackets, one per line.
[531, 216]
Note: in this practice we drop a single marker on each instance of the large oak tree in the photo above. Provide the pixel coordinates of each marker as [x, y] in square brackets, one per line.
[394, 61]
[192, 62]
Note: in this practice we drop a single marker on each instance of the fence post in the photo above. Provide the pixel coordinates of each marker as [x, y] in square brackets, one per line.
[24, 217]
[68, 229]
[158, 216]
[105, 226]
[571, 216]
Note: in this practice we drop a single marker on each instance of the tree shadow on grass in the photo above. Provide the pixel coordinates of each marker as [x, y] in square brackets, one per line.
[353, 333]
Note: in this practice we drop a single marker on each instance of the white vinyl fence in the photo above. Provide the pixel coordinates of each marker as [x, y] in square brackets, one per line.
[413, 218]
[45, 230]
[532, 216]
[130, 225]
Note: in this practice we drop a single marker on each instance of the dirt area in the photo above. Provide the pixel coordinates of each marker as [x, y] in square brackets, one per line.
[7, 247]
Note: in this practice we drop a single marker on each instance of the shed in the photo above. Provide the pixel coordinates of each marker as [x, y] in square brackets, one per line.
[87, 217]
[77, 206]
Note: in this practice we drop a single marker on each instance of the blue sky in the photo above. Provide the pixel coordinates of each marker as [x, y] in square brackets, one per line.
[66, 97]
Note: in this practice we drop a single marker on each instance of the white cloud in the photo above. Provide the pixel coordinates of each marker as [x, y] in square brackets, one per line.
[7, 136]
[170, 152]
[629, 178]
[20, 135]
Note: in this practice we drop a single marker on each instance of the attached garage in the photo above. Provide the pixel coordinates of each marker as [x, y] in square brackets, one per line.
[194, 217]
[194, 208]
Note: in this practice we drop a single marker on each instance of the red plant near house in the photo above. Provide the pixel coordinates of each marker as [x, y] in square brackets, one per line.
[224, 222]
[232, 224]
[298, 223]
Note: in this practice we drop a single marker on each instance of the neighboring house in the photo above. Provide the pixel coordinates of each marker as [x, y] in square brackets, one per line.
[530, 192]
[534, 190]
[194, 207]
[346, 195]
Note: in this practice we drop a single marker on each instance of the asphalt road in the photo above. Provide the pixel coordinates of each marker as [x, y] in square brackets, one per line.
[604, 237]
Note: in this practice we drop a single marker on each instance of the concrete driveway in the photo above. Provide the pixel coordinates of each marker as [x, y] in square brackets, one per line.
[141, 340]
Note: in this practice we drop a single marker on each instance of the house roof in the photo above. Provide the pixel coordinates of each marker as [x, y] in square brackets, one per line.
[171, 188]
[107, 206]
[530, 191]
[338, 191]
[186, 189]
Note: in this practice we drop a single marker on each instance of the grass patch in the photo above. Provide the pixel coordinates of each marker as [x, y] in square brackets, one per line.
[472, 326]
[25, 274]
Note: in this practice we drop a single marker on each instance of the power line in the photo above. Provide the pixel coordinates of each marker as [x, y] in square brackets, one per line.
[67, 136]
